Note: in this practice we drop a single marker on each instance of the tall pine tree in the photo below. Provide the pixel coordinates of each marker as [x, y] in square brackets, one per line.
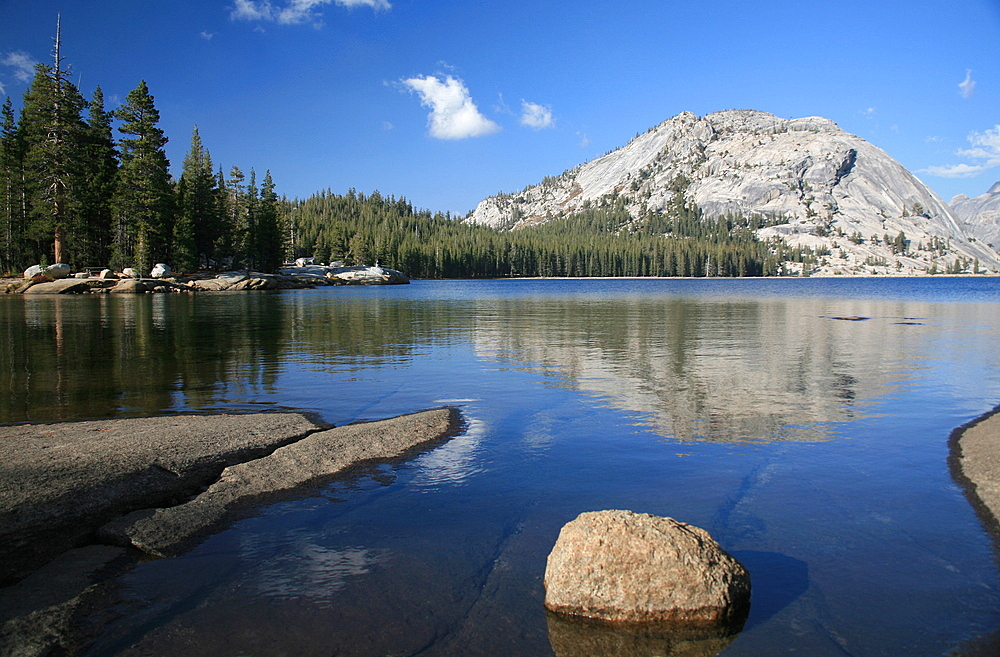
[13, 256]
[53, 134]
[198, 230]
[100, 167]
[142, 204]
[237, 209]
[270, 232]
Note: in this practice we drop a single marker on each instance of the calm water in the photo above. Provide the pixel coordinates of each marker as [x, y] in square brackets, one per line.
[813, 448]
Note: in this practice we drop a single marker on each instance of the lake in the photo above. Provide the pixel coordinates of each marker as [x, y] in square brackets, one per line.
[803, 422]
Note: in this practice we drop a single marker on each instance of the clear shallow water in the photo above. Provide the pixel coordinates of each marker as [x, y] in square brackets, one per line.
[813, 448]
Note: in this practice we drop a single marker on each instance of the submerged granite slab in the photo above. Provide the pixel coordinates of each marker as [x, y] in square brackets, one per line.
[41, 615]
[59, 482]
[166, 531]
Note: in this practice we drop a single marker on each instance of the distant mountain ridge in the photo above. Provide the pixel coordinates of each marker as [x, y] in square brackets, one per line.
[827, 189]
[980, 216]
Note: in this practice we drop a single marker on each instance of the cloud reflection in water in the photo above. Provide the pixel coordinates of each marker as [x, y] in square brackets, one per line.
[453, 462]
[307, 570]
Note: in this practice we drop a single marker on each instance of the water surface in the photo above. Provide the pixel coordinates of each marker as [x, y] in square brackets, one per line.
[804, 423]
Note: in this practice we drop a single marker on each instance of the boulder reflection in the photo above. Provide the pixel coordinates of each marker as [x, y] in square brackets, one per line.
[571, 637]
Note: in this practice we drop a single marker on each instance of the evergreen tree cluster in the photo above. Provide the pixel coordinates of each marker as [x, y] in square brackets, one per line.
[71, 193]
[598, 241]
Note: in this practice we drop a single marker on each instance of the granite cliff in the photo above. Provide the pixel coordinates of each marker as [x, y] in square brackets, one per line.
[809, 182]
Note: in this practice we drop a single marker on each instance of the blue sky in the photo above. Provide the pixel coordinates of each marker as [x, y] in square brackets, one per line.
[446, 103]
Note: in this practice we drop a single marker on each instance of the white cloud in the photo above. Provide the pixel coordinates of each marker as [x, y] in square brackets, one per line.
[954, 170]
[985, 147]
[22, 63]
[584, 140]
[295, 12]
[536, 116]
[249, 10]
[301, 11]
[453, 114]
[868, 113]
[374, 4]
[207, 36]
[968, 85]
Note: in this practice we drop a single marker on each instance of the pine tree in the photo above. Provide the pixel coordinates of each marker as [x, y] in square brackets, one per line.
[251, 253]
[142, 205]
[53, 135]
[100, 165]
[12, 221]
[236, 215]
[183, 246]
[270, 232]
[899, 244]
[198, 231]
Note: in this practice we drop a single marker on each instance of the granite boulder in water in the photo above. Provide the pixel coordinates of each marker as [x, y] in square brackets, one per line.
[626, 567]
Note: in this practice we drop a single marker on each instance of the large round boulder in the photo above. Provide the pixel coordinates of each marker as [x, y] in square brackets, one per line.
[32, 271]
[627, 567]
[58, 270]
[161, 270]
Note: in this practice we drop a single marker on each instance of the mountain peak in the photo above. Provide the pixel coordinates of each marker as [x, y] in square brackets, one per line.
[817, 182]
[757, 122]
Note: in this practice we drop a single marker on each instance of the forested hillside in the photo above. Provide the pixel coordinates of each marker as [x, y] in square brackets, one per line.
[602, 240]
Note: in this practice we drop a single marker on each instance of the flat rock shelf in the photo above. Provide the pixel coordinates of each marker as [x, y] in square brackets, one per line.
[70, 492]
[60, 483]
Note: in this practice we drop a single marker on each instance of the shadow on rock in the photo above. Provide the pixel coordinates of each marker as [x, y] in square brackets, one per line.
[577, 637]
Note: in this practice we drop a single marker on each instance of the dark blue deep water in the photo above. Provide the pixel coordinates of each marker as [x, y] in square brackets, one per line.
[804, 423]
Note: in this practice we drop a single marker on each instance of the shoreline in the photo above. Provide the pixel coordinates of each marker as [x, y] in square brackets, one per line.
[974, 461]
[274, 282]
[288, 278]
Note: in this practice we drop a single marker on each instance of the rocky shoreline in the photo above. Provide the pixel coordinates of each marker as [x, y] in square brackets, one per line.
[82, 502]
[975, 464]
[289, 278]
